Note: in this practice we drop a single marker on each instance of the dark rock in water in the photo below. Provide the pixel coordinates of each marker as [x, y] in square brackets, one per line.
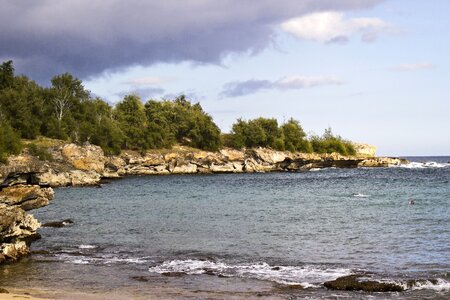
[58, 224]
[3, 291]
[31, 238]
[140, 278]
[351, 283]
[41, 252]
[209, 272]
[290, 287]
[173, 274]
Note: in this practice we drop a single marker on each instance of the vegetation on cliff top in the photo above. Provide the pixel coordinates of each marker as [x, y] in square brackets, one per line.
[67, 111]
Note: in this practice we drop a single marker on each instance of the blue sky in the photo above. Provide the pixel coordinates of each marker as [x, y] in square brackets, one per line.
[375, 71]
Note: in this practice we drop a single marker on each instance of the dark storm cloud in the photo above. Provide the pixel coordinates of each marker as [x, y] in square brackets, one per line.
[87, 37]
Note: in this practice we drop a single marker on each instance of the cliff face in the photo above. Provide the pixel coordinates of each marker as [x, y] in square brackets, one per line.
[87, 165]
[18, 228]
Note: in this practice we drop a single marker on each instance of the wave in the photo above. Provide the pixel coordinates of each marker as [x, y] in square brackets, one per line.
[307, 276]
[422, 165]
[438, 284]
[360, 195]
[87, 247]
[101, 260]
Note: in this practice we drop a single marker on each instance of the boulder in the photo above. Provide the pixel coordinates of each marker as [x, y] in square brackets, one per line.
[229, 167]
[80, 178]
[26, 197]
[382, 162]
[58, 224]
[359, 283]
[232, 154]
[17, 230]
[184, 168]
[86, 158]
[364, 150]
[267, 155]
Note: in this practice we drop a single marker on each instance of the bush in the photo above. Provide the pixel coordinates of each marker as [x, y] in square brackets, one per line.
[329, 143]
[40, 152]
[9, 141]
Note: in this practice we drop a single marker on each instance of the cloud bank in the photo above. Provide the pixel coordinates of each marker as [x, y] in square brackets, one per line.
[331, 27]
[87, 37]
[242, 88]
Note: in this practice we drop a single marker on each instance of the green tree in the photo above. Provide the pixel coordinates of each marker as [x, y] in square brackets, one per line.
[294, 137]
[130, 115]
[9, 141]
[260, 132]
[65, 98]
[6, 74]
[329, 143]
[20, 102]
[181, 121]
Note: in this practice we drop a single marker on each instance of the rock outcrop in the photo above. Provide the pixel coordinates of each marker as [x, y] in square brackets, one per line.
[365, 150]
[358, 283]
[18, 228]
[87, 165]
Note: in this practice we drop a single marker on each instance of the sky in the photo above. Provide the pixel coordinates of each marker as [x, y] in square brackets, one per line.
[375, 71]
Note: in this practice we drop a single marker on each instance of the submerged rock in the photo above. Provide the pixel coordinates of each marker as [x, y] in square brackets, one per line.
[173, 274]
[358, 283]
[58, 224]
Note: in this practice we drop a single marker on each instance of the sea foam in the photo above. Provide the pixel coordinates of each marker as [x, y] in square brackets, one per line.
[307, 276]
[422, 165]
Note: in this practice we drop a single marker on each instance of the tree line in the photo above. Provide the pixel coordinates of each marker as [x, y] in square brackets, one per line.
[67, 111]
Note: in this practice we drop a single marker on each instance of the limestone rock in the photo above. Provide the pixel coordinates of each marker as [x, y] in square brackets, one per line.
[232, 154]
[54, 178]
[229, 167]
[364, 150]
[184, 168]
[86, 158]
[381, 162]
[17, 229]
[268, 155]
[26, 197]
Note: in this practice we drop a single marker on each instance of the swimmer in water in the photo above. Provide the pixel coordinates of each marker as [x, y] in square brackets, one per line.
[411, 202]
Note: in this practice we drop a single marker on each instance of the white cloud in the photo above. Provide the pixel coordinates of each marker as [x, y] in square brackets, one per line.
[328, 27]
[415, 66]
[242, 88]
[301, 82]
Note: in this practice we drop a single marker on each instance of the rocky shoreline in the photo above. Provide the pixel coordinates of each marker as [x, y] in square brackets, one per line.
[27, 182]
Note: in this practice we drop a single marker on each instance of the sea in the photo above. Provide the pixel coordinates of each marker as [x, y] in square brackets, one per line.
[244, 236]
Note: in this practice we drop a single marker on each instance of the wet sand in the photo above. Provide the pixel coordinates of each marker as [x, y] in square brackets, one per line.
[155, 292]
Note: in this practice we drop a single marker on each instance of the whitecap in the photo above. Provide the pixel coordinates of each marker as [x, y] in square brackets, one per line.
[421, 165]
[360, 195]
[87, 247]
[307, 276]
[438, 285]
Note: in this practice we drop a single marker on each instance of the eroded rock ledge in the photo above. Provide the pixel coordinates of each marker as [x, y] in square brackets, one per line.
[87, 165]
[18, 228]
